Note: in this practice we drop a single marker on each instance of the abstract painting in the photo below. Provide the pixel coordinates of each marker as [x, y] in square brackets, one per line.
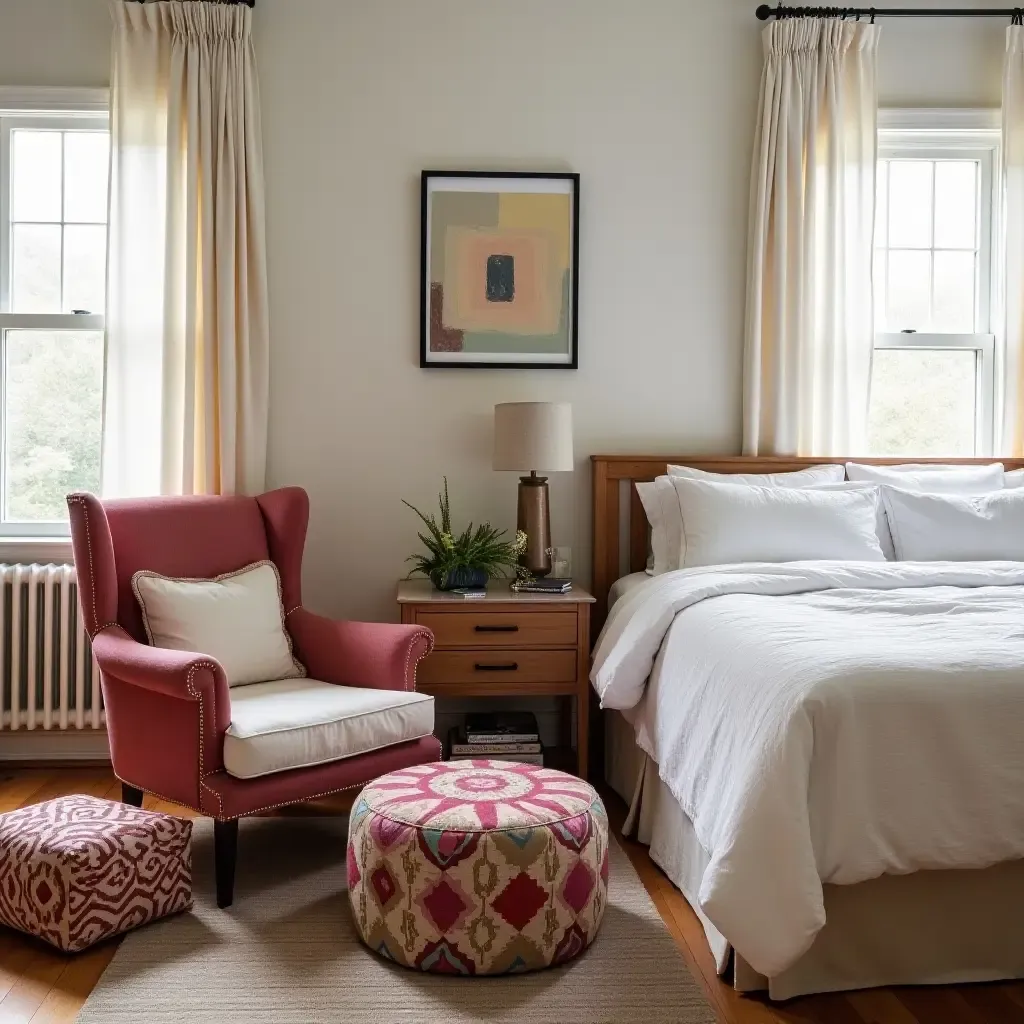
[500, 255]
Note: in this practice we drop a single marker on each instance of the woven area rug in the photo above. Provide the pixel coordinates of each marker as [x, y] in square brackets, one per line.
[286, 953]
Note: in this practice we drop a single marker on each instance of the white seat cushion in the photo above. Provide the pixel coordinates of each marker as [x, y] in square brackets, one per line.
[295, 723]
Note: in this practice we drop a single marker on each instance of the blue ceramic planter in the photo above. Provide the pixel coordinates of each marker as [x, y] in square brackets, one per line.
[459, 578]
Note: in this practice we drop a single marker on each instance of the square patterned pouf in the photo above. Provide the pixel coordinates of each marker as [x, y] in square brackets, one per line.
[76, 870]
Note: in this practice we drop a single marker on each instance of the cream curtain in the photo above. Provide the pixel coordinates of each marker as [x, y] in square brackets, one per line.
[1011, 421]
[809, 322]
[187, 321]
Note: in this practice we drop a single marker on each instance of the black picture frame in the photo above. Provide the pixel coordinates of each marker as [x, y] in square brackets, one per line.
[441, 360]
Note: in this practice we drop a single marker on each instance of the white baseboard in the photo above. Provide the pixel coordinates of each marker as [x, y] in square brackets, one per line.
[54, 745]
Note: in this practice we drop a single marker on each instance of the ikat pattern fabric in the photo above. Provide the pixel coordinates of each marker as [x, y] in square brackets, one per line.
[77, 870]
[478, 867]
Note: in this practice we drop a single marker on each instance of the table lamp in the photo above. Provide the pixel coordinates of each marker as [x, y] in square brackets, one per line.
[534, 436]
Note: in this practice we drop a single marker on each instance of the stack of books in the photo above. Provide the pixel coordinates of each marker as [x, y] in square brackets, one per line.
[498, 736]
[544, 585]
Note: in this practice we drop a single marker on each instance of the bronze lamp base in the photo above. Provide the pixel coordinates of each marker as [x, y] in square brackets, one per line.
[534, 520]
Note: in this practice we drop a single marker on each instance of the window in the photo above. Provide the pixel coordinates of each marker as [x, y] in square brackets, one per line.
[932, 388]
[53, 254]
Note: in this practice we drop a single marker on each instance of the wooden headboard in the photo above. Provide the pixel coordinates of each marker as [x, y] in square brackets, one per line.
[620, 525]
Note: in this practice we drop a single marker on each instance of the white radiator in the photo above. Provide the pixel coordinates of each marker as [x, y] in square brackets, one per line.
[48, 678]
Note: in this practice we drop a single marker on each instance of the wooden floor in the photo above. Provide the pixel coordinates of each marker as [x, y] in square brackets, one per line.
[44, 987]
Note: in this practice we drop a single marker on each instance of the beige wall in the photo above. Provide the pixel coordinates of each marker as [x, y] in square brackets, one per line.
[936, 62]
[652, 101]
[54, 42]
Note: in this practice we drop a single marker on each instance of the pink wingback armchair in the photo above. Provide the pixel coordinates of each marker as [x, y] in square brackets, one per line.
[168, 711]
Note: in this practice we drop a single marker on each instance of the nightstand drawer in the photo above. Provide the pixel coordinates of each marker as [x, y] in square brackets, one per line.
[498, 667]
[501, 629]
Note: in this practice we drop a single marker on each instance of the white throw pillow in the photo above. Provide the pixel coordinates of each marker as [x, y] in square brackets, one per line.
[934, 479]
[236, 618]
[874, 491]
[800, 478]
[956, 527]
[1014, 478]
[731, 523]
[662, 505]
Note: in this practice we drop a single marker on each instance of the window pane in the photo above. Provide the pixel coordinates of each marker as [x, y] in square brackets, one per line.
[85, 270]
[909, 291]
[954, 292]
[956, 204]
[53, 408]
[35, 277]
[85, 178]
[910, 203]
[923, 402]
[35, 175]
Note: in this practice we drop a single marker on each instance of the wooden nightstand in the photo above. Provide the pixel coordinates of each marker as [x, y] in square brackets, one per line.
[506, 645]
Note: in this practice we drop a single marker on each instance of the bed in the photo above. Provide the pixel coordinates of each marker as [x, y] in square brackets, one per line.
[901, 926]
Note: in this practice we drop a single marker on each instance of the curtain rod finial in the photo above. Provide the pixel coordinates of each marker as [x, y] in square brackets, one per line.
[764, 12]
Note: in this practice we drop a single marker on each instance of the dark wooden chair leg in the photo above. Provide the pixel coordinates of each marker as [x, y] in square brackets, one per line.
[131, 795]
[225, 849]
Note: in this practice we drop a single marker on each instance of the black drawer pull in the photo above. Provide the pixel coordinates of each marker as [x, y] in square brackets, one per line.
[512, 666]
[496, 629]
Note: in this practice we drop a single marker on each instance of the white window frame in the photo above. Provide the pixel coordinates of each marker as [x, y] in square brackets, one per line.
[970, 134]
[60, 110]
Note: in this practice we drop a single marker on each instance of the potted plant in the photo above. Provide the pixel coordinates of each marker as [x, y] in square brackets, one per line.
[469, 559]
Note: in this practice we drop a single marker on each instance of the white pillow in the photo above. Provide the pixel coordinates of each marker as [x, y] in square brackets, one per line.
[1014, 478]
[933, 479]
[801, 478]
[729, 523]
[882, 531]
[956, 527]
[662, 506]
[236, 618]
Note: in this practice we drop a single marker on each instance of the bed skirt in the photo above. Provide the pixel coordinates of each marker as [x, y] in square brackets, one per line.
[928, 928]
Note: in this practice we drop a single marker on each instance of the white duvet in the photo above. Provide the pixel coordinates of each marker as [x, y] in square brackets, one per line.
[826, 722]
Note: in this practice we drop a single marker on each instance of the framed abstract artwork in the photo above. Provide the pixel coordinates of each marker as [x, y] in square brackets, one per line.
[500, 265]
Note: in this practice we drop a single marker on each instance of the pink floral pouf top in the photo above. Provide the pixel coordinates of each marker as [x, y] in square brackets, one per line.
[478, 867]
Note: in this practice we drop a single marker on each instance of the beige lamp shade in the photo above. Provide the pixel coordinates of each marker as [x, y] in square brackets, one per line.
[532, 436]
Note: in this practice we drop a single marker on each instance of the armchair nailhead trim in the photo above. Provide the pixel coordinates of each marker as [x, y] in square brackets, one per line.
[327, 792]
[268, 807]
[162, 796]
[212, 666]
[198, 698]
[77, 500]
[429, 637]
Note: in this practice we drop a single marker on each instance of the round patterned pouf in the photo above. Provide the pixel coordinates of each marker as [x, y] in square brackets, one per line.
[478, 867]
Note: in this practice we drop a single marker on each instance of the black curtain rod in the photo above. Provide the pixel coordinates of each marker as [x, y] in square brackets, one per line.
[764, 12]
[248, 3]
